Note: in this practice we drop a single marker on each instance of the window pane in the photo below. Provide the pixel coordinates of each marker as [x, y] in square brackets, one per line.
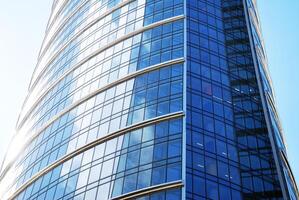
[144, 179]
[95, 172]
[130, 183]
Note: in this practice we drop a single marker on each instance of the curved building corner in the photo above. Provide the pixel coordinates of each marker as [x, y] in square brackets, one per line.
[149, 99]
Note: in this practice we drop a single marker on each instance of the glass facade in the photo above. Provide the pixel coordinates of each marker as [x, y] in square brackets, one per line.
[148, 100]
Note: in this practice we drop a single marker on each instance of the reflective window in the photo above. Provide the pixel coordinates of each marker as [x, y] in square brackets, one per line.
[132, 164]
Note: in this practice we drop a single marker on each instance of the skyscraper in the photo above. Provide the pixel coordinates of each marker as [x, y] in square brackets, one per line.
[149, 99]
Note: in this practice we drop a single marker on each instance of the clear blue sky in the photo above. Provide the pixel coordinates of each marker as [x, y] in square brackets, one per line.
[280, 27]
[22, 25]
